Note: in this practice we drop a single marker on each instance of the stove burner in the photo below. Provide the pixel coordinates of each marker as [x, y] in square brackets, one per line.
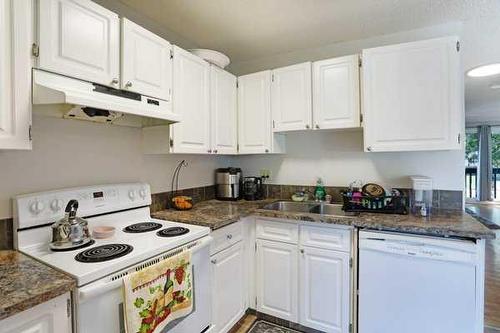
[104, 253]
[142, 227]
[172, 232]
[77, 247]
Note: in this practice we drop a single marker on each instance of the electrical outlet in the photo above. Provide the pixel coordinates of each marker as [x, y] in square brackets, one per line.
[265, 173]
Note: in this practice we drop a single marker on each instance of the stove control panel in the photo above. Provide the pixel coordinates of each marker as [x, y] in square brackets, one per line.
[47, 207]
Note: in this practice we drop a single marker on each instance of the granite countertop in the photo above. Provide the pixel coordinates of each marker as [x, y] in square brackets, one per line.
[25, 282]
[217, 214]
[214, 214]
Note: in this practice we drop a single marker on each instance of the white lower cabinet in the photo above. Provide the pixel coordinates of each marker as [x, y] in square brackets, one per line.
[277, 279]
[228, 288]
[309, 285]
[49, 317]
[324, 289]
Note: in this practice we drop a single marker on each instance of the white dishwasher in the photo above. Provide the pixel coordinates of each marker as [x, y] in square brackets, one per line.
[410, 284]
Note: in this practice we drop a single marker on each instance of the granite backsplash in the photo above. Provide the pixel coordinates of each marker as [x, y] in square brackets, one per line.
[442, 199]
[6, 234]
[159, 201]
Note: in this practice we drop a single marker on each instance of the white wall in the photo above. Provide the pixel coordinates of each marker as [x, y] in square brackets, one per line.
[70, 153]
[339, 159]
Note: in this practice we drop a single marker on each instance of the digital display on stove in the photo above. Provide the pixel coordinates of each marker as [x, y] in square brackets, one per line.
[98, 195]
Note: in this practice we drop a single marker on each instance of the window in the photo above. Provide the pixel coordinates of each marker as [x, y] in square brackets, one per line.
[471, 162]
[495, 161]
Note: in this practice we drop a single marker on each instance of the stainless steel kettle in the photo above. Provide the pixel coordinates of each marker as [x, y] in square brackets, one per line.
[70, 231]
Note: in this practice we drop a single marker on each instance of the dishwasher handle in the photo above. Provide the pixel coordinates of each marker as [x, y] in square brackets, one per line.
[416, 249]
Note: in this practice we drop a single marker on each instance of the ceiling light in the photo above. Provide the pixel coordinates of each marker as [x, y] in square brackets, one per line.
[485, 70]
[495, 86]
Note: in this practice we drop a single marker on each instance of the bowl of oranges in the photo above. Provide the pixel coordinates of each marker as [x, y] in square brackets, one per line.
[182, 202]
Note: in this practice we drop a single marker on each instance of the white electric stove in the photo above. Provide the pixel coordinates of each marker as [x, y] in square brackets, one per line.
[98, 268]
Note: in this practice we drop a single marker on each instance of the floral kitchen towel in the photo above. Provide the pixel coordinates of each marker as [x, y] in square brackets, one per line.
[158, 294]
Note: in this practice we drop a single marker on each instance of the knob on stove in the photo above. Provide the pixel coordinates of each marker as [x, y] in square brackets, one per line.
[56, 205]
[131, 195]
[37, 207]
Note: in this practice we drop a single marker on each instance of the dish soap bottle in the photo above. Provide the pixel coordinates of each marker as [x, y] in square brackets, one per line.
[319, 191]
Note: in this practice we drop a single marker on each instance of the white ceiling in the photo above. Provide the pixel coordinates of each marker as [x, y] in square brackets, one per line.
[252, 29]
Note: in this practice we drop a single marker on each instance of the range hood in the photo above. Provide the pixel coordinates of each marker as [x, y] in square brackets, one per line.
[94, 102]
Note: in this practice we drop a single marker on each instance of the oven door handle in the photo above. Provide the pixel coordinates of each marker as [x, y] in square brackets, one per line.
[93, 290]
[99, 288]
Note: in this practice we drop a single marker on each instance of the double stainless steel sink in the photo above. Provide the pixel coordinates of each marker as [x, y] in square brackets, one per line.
[309, 207]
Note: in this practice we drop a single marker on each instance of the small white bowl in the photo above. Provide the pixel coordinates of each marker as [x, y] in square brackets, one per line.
[214, 57]
[103, 232]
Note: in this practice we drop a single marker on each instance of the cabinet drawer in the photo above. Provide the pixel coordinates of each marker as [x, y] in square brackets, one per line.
[325, 238]
[277, 231]
[226, 236]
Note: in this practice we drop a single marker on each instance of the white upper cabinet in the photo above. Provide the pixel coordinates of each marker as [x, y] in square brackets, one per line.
[324, 290]
[191, 101]
[146, 66]
[291, 98]
[223, 111]
[254, 113]
[336, 93]
[81, 39]
[15, 74]
[413, 96]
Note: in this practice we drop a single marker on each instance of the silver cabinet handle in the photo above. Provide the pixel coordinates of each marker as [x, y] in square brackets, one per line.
[369, 148]
[307, 126]
[317, 126]
[115, 81]
[302, 251]
[267, 150]
[128, 84]
[214, 261]
[215, 151]
[229, 236]
[209, 151]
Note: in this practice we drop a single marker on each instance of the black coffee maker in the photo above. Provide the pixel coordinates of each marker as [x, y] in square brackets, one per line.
[253, 188]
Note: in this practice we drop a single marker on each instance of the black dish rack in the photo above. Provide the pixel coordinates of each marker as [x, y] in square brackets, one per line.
[384, 204]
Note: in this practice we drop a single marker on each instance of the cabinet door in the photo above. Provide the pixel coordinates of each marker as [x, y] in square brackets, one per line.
[254, 113]
[223, 101]
[228, 279]
[413, 96]
[336, 93]
[324, 290]
[81, 39]
[277, 275]
[15, 74]
[146, 66]
[291, 98]
[49, 317]
[191, 101]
